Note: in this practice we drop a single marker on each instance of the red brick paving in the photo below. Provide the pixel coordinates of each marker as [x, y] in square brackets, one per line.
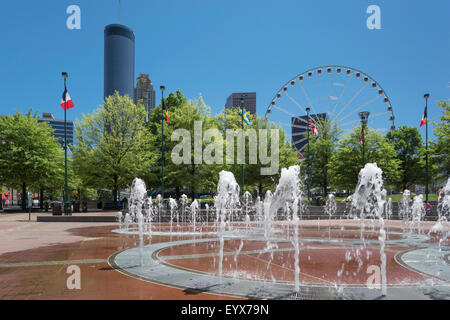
[33, 242]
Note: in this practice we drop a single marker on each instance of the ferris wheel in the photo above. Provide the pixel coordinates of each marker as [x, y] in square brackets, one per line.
[342, 95]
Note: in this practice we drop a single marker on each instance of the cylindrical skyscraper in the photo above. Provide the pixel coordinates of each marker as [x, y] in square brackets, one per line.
[119, 60]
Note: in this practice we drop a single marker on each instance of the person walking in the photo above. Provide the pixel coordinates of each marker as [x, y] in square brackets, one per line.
[4, 198]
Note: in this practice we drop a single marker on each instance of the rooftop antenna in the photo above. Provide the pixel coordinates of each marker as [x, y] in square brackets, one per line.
[119, 11]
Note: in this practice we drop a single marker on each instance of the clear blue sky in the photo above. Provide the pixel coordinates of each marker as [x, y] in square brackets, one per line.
[218, 47]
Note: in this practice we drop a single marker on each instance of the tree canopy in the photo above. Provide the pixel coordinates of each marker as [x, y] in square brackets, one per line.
[30, 156]
[113, 146]
[347, 161]
[407, 143]
[442, 144]
[322, 148]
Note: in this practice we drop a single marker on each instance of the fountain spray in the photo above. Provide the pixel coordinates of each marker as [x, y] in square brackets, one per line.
[226, 200]
[369, 198]
[137, 198]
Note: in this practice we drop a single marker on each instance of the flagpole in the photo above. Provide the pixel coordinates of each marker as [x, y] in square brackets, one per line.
[67, 208]
[426, 96]
[162, 141]
[308, 163]
[364, 115]
[364, 147]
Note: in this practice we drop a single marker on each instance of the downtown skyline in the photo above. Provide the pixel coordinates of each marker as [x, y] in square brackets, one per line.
[210, 49]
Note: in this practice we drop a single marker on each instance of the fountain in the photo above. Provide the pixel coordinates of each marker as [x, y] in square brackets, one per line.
[137, 198]
[389, 209]
[417, 211]
[119, 219]
[263, 230]
[330, 210]
[369, 200]
[287, 197]
[194, 209]
[184, 203]
[226, 200]
[173, 207]
[442, 228]
[207, 212]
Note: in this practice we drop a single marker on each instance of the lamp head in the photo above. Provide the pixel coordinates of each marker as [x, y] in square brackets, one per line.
[364, 116]
[308, 110]
[64, 75]
[426, 95]
[162, 88]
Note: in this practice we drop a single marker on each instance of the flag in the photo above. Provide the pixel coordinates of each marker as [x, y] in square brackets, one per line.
[246, 117]
[361, 137]
[166, 112]
[424, 117]
[313, 128]
[66, 98]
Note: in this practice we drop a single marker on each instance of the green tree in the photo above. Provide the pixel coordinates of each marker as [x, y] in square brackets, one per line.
[183, 114]
[113, 146]
[203, 177]
[173, 102]
[347, 161]
[30, 156]
[407, 143]
[441, 148]
[322, 148]
[253, 179]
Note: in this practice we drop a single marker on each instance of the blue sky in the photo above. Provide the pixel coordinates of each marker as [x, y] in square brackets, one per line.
[214, 48]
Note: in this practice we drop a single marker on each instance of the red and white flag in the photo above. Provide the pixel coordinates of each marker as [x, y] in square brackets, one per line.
[313, 128]
[66, 102]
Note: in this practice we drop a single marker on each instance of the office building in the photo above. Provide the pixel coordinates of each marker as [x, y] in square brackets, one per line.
[299, 125]
[234, 100]
[119, 60]
[58, 127]
[144, 92]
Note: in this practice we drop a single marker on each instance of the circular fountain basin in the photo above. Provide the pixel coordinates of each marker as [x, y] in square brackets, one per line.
[191, 264]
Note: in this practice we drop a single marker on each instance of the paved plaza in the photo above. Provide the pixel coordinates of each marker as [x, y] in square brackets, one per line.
[35, 258]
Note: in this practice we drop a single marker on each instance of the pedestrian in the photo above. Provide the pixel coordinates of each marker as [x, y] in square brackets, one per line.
[4, 197]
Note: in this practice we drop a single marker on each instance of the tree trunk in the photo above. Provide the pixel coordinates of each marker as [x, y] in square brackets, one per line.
[41, 199]
[178, 193]
[24, 196]
[116, 189]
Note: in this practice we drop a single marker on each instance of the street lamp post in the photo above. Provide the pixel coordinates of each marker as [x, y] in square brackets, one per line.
[67, 206]
[426, 96]
[243, 143]
[308, 163]
[162, 88]
[364, 116]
